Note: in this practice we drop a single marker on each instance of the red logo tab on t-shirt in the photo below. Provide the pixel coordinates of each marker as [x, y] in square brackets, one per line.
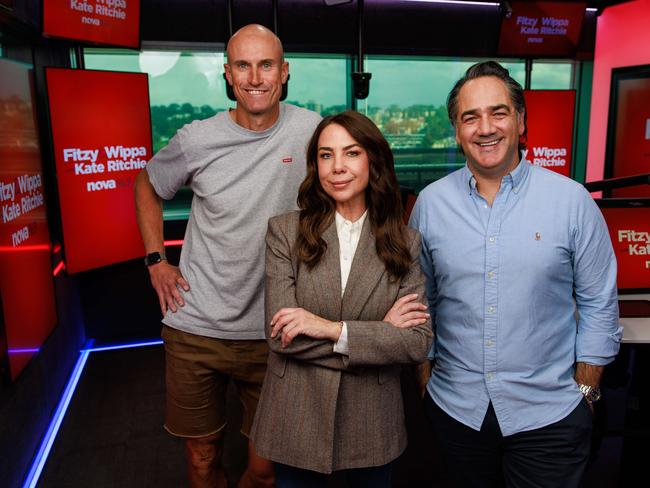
[287, 160]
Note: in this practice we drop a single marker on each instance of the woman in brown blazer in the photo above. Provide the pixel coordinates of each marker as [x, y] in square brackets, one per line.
[345, 308]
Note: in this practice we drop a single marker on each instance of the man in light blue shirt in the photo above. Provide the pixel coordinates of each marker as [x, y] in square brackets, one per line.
[521, 281]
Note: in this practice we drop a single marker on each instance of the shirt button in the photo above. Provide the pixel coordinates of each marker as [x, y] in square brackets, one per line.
[489, 343]
[485, 205]
[489, 376]
[490, 274]
[490, 309]
[492, 239]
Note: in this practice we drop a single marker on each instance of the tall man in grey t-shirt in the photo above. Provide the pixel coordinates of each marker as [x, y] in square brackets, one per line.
[243, 166]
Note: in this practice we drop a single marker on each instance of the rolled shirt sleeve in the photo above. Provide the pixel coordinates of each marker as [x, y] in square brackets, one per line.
[594, 266]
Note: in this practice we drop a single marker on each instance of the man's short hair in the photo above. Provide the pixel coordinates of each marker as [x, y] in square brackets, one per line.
[490, 68]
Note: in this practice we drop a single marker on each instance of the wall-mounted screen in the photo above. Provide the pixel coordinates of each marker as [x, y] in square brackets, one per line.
[26, 286]
[101, 131]
[110, 22]
[628, 134]
[550, 128]
[534, 29]
[629, 228]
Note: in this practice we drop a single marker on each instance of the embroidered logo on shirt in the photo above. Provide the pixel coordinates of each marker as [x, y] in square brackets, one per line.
[287, 160]
[538, 236]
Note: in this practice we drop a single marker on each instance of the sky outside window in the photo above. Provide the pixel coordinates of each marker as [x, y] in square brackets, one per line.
[407, 97]
[186, 86]
[407, 101]
[318, 83]
[174, 76]
[552, 76]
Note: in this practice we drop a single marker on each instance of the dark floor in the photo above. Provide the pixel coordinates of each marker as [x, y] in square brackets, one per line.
[112, 435]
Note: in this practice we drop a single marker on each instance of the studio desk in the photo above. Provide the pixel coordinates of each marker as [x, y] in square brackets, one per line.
[635, 319]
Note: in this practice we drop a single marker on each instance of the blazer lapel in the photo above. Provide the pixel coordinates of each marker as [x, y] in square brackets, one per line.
[365, 272]
[326, 276]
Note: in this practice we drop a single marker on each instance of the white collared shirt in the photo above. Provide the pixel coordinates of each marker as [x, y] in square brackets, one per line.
[349, 234]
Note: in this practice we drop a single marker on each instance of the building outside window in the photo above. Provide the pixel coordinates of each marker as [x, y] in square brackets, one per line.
[408, 103]
[407, 99]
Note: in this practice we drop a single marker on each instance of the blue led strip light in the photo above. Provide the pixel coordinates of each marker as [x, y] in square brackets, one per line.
[22, 351]
[48, 440]
[55, 423]
[125, 346]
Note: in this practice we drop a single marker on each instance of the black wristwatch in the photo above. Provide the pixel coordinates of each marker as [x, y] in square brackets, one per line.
[591, 393]
[154, 258]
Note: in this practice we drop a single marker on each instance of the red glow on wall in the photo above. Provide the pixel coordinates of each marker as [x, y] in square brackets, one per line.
[59, 267]
[36, 247]
[622, 39]
[174, 243]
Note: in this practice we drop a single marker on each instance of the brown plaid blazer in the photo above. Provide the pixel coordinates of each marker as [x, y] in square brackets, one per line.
[320, 410]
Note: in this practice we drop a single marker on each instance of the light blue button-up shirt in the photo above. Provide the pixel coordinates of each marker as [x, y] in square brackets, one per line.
[501, 283]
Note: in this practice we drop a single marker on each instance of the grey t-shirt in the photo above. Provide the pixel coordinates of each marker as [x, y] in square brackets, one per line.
[240, 178]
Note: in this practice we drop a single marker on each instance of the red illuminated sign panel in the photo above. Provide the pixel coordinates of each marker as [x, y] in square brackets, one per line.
[112, 22]
[542, 29]
[550, 128]
[26, 286]
[101, 129]
[629, 229]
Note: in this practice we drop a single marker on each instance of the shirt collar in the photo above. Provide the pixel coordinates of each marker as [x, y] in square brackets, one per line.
[469, 178]
[516, 176]
[341, 221]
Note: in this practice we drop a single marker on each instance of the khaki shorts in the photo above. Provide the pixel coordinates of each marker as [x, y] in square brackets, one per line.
[196, 374]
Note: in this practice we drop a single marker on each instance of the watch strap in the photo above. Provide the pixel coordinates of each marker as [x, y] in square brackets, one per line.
[591, 393]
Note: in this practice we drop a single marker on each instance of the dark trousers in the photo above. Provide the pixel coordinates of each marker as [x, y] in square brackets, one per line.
[375, 477]
[554, 456]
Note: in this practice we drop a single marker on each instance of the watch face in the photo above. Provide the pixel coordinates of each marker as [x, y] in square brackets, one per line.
[591, 394]
[594, 394]
[152, 258]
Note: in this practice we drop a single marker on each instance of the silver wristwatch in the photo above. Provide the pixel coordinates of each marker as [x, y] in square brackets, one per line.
[591, 393]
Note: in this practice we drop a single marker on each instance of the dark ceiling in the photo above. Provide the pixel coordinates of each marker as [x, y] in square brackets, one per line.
[390, 26]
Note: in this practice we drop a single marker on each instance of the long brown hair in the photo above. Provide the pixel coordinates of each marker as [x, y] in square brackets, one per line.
[382, 198]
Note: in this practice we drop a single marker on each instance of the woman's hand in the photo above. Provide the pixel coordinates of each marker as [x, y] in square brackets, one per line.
[291, 322]
[407, 312]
